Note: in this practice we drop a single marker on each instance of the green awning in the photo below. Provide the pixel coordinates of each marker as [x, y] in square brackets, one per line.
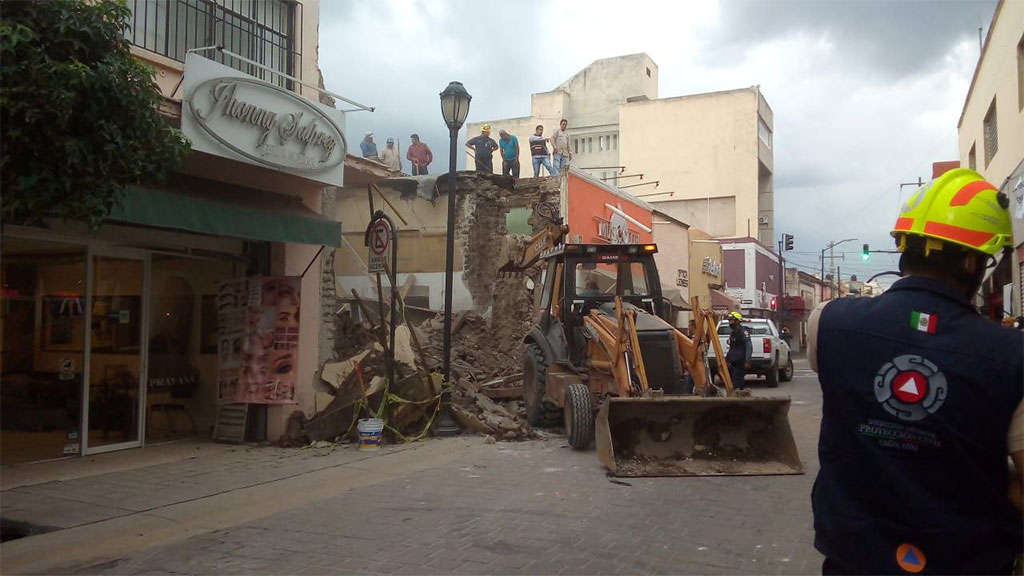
[257, 216]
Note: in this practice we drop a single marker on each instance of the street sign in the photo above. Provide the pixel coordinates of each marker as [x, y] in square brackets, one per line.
[379, 234]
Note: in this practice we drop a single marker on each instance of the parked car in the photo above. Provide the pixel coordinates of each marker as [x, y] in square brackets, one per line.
[770, 357]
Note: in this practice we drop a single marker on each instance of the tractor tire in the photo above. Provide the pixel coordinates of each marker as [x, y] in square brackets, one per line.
[538, 413]
[771, 377]
[579, 416]
[787, 374]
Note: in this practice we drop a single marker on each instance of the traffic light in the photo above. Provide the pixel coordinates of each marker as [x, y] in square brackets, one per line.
[866, 253]
[774, 303]
[787, 241]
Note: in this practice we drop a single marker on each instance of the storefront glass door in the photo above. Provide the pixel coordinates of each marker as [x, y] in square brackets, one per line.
[115, 393]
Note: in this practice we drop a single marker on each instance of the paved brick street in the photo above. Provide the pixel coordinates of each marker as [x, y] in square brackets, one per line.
[535, 507]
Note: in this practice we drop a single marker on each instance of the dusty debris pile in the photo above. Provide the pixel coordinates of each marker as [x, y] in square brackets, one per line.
[478, 356]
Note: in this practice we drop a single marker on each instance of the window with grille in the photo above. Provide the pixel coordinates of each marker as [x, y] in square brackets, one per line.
[991, 133]
[260, 30]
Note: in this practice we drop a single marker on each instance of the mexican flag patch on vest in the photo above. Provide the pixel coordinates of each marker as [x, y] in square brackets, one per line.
[923, 322]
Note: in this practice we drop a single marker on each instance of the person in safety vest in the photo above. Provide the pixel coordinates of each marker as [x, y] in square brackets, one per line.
[740, 350]
[922, 402]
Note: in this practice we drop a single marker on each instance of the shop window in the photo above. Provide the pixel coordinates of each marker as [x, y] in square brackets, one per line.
[42, 312]
[263, 31]
[182, 384]
[991, 132]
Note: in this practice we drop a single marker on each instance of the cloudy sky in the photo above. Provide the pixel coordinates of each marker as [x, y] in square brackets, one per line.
[866, 94]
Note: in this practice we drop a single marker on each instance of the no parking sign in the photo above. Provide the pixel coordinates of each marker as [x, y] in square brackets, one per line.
[378, 239]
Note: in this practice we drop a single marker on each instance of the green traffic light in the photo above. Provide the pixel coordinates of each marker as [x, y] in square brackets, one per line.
[866, 253]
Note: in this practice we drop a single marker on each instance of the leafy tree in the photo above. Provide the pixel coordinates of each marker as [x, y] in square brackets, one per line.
[78, 113]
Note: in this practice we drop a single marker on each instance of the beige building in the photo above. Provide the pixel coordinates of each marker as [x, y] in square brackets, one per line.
[712, 151]
[113, 338]
[706, 277]
[991, 134]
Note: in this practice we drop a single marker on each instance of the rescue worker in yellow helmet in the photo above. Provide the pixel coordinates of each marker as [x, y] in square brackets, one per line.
[740, 349]
[922, 402]
[483, 147]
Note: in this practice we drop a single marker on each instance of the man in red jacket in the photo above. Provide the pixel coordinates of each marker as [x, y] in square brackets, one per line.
[419, 155]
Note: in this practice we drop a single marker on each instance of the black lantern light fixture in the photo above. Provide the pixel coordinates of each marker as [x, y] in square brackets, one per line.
[454, 109]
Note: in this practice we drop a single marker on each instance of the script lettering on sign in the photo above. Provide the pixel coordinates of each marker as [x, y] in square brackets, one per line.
[231, 114]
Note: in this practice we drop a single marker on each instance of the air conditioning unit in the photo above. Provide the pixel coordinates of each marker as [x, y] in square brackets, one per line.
[762, 220]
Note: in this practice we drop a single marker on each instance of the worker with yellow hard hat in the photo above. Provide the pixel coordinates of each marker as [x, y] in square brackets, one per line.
[737, 358]
[483, 147]
[922, 401]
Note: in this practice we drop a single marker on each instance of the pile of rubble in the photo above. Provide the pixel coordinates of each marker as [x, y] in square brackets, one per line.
[479, 357]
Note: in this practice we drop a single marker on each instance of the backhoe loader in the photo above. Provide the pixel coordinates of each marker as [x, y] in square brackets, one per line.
[601, 360]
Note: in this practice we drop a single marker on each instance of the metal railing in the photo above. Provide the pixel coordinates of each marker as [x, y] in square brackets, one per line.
[265, 31]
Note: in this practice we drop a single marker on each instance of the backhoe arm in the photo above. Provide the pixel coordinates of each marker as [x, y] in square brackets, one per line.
[693, 352]
[550, 236]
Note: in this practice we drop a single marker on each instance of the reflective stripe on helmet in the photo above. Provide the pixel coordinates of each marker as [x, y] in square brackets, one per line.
[969, 191]
[904, 224]
[957, 234]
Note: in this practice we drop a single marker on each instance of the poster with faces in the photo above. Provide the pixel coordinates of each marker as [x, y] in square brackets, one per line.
[270, 341]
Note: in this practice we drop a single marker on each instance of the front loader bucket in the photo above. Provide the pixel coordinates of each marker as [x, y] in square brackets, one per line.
[695, 436]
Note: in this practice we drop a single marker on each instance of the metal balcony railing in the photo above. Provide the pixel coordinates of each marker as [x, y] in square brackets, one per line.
[265, 31]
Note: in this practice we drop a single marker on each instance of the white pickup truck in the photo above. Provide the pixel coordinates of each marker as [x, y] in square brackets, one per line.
[770, 357]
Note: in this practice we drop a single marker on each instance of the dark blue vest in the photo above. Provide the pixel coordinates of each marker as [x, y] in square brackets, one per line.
[913, 451]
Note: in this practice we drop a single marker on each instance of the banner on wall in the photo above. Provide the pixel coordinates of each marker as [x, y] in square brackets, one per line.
[270, 341]
[231, 308]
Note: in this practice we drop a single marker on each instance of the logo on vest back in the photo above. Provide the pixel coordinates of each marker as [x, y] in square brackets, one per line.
[910, 558]
[910, 388]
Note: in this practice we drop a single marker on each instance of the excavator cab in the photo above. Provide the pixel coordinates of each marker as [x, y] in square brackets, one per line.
[603, 360]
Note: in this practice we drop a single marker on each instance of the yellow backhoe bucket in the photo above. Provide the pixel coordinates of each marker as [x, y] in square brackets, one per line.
[695, 436]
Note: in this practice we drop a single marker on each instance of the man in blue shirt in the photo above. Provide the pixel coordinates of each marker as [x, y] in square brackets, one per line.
[483, 147]
[921, 401]
[368, 147]
[509, 154]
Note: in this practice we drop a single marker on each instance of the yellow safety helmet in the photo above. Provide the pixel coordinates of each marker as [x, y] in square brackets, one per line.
[960, 207]
[735, 316]
[486, 128]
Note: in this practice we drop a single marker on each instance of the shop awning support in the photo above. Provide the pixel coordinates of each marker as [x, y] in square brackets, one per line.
[315, 256]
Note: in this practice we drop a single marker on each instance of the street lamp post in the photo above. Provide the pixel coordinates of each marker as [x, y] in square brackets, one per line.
[828, 248]
[454, 108]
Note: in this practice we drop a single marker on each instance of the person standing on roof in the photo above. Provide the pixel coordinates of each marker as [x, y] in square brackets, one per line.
[419, 155]
[539, 152]
[368, 147]
[922, 401]
[740, 350]
[560, 142]
[483, 147]
[390, 156]
[509, 154]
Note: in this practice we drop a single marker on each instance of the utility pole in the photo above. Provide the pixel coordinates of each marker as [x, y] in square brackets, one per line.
[831, 256]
